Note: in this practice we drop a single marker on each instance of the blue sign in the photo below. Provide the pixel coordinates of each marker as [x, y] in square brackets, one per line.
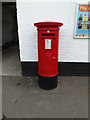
[82, 28]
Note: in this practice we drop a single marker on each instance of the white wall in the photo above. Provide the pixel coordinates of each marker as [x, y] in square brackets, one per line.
[70, 50]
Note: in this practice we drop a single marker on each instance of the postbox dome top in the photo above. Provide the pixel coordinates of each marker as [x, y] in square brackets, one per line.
[48, 24]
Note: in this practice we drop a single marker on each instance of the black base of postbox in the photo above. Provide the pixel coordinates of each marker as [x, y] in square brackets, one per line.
[48, 83]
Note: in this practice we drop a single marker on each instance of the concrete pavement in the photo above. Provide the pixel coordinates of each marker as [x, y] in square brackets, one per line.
[22, 98]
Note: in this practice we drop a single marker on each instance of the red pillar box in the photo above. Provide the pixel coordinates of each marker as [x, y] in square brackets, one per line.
[48, 34]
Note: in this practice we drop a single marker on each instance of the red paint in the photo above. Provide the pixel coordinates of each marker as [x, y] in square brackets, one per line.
[48, 58]
[84, 8]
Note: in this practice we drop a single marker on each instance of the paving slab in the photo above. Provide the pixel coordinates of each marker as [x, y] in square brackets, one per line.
[22, 98]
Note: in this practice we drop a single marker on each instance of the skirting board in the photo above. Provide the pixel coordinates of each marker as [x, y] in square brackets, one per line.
[64, 69]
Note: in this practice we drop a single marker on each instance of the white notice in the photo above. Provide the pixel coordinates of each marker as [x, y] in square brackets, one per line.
[47, 43]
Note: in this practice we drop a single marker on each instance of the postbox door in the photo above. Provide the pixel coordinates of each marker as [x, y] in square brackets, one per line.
[48, 55]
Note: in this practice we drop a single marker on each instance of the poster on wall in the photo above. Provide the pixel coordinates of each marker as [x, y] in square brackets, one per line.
[82, 25]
